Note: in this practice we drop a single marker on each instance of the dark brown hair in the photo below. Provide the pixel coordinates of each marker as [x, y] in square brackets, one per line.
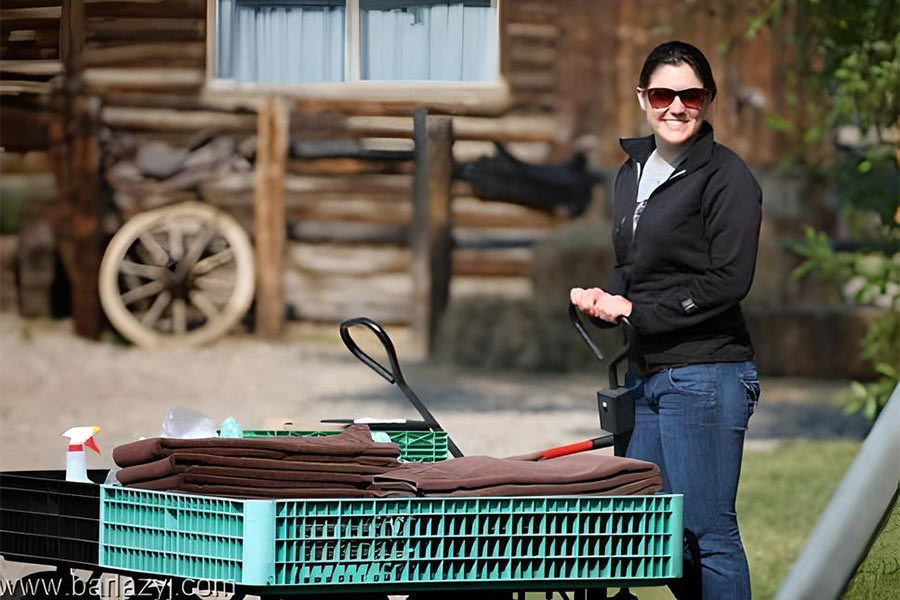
[675, 53]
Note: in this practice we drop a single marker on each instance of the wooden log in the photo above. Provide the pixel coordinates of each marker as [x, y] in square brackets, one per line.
[14, 88]
[471, 212]
[335, 259]
[36, 12]
[347, 166]
[269, 225]
[42, 37]
[532, 56]
[493, 262]
[77, 164]
[100, 79]
[71, 41]
[497, 237]
[383, 297]
[157, 119]
[431, 240]
[162, 99]
[8, 4]
[349, 233]
[503, 129]
[96, 55]
[171, 9]
[538, 31]
[8, 26]
[468, 150]
[32, 67]
[120, 27]
[538, 80]
[400, 185]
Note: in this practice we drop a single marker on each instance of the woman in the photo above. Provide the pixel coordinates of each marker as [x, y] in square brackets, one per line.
[686, 226]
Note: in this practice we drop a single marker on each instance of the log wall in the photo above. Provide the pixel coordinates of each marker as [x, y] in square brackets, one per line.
[571, 66]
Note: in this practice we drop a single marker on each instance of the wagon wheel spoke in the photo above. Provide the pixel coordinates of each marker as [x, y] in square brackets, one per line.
[141, 292]
[211, 263]
[213, 284]
[186, 264]
[156, 309]
[179, 316]
[176, 242]
[158, 254]
[146, 271]
[206, 306]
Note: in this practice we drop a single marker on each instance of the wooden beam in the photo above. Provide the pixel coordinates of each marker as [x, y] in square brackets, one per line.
[431, 238]
[42, 12]
[96, 56]
[14, 88]
[101, 79]
[32, 67]
[164, 119]
[531, 128]
[183, 9]
[269, 220]
[71, 41]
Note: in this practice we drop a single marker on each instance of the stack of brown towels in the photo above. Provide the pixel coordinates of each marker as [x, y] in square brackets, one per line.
[351, 465]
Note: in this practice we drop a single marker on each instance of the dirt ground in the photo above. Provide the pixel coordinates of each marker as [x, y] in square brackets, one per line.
[50, 381]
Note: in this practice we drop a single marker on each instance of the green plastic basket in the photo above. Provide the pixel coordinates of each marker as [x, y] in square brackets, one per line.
[396, 544]
[415, 446]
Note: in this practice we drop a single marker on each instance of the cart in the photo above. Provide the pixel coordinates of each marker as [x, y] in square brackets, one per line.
[175, 545]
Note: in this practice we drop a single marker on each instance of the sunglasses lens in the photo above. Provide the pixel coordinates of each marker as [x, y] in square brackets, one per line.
[693, 98]
[660, 97]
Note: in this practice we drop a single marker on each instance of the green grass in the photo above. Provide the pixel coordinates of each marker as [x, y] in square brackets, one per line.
[781, 496]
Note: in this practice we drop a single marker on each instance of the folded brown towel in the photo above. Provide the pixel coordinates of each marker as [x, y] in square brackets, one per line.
[237, 488]
[462, 476]
[356, 440]
[180, 461]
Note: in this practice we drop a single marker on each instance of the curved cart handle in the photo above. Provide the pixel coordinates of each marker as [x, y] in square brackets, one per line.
[631, 350]
[392, 375]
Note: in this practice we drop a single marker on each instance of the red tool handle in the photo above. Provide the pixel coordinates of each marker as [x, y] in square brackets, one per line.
[592, 444]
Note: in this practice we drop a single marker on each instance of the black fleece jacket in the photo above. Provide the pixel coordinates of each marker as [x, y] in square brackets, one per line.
[692, 258]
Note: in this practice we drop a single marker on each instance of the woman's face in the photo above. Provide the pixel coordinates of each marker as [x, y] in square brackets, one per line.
[675, 124]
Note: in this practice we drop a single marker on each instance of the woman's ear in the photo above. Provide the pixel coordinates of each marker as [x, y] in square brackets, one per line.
[642, 98]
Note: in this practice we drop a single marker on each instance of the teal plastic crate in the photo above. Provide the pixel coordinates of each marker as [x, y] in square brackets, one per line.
[415, 446]
[396, 544]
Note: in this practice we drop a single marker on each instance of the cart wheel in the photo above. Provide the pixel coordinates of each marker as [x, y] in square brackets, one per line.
[180, 275]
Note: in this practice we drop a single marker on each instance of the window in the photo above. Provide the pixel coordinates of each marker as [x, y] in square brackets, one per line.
[320, 41]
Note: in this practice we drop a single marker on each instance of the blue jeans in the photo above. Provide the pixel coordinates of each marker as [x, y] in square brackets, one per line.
[691, 421]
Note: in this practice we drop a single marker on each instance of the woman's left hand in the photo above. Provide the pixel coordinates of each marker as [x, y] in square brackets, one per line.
[595, 302]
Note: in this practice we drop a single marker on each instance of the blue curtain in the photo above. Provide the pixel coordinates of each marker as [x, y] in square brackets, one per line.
[428, 41]
[280, 42]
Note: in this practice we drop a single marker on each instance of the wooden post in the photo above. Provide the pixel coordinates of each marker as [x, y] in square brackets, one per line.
[76, 157]
[431, 234]
[269, 221]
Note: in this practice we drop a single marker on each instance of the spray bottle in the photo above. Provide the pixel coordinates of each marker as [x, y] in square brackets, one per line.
[79, 437]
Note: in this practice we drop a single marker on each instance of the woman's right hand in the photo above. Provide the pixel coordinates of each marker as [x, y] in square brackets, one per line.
[596, 303]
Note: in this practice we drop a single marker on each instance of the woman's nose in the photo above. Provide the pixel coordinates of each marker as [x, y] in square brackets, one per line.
[677, 106]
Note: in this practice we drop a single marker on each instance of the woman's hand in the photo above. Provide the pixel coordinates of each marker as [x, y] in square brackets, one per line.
[594, 302]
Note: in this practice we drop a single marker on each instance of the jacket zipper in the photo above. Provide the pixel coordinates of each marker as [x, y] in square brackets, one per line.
[650, 197]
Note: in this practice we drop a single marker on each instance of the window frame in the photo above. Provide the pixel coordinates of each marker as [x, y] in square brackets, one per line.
[469, 97]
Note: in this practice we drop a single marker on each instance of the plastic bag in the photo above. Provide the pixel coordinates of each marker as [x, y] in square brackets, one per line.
[187, 423]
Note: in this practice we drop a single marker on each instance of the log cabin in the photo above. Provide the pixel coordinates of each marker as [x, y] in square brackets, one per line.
[329, 128]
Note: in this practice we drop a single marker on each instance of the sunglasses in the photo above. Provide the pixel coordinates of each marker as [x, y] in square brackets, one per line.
[663, 97]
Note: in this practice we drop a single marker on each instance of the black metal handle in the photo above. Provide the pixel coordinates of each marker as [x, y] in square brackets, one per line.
[631, 349]
[579, 327]
[392, 375]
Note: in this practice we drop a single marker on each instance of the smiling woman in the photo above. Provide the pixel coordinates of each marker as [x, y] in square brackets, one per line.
[686, 216]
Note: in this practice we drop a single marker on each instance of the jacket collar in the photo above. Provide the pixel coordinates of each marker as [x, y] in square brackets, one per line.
[697, 155]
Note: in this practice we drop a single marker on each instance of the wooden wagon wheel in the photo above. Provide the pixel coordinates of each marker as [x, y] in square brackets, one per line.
[180, 275]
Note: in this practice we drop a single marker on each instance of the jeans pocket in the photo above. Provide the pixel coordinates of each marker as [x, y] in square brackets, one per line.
[751, 390]
[693, 379]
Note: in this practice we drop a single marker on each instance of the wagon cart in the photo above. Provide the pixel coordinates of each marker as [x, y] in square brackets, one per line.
[172, 544]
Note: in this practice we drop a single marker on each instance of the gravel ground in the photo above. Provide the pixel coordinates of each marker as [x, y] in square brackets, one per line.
[50, 381]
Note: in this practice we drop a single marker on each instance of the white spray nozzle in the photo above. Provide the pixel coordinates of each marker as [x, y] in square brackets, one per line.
[83, 436]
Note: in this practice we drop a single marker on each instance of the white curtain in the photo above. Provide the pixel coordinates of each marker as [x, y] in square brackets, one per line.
[436, 41]
[280, 43]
